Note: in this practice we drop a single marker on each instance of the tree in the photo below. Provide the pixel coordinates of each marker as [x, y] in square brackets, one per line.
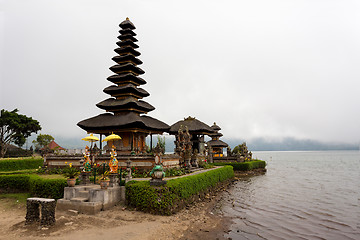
[42, 141]
[15, 128]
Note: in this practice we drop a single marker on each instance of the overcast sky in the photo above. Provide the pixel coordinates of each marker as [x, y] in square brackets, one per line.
[257, 68]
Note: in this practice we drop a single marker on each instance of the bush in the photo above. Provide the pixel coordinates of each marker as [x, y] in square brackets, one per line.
[15, 183]
[14, 164]
[244, 166]
[37, 186]
[176, 193]
[47, 188]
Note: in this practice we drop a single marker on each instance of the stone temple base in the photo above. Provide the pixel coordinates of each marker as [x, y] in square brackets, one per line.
[90, 199]
[157, 182]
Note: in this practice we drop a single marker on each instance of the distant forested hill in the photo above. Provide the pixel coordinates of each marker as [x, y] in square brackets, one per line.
[291, 144]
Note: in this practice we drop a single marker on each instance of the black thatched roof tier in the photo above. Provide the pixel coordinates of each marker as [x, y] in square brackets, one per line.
[127, 50]
[215, 127]
[127, 43]
[126, 78]
[216, 134]
[217, 143]
[127, 31]
[128, 89]
[126, 104]
[127, 67]
[106, 123]
[195, 126]
[127, 58]
[127, 24]
[127, 37]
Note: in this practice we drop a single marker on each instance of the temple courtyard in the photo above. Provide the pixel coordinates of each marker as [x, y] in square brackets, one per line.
[195, 222]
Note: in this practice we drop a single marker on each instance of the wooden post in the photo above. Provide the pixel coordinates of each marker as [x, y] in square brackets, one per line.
[132, 141]
[100, 144]
[151, 142]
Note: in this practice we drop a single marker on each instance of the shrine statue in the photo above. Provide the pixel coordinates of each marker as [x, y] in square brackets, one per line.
[113, 161]
[87, 162]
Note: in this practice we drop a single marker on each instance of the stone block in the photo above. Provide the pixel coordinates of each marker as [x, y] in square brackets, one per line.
[47, 206]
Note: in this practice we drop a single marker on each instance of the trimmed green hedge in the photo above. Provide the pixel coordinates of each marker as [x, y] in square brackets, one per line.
[176, 193]
[37, 186]
[47, 188]
[19, 164]
[15, 183]
[243, 166]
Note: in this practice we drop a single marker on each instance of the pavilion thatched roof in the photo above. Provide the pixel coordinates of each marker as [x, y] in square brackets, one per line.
[195, 126]
[107, 122]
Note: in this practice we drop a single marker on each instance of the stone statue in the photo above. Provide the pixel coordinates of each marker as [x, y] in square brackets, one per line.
[210, 152]
[242, 153]
[87, 162]
[194, 161]
[157, 173]
[183, 146]
[228, 151]
[113, 164]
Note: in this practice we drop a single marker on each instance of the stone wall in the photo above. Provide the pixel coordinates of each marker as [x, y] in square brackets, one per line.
[142, 162]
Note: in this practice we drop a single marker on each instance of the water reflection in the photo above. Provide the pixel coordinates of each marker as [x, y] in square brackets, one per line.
[303, 195]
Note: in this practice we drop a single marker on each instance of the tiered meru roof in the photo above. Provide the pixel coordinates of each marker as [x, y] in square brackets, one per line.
[215, 141]
[124, 102]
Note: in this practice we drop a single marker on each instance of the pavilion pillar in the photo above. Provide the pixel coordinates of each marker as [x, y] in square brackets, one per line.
[132, 141]
[151, 142]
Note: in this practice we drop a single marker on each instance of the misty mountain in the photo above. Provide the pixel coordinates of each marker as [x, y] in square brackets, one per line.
[291, 144]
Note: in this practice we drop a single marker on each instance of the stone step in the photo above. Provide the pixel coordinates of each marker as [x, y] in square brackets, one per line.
[79, 199]
[83, 194]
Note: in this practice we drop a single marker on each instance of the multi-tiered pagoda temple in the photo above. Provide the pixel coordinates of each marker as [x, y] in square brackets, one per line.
[215, 142]
[126, 111]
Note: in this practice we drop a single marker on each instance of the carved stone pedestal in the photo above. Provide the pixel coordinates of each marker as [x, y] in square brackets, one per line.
[157, 182]
[85, 178]
[113, 179]
[128, 169]
[187, 164]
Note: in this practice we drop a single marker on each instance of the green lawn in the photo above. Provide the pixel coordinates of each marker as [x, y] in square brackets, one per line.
[22, 158]
[11, 200]
[24, 171]
[52, 176]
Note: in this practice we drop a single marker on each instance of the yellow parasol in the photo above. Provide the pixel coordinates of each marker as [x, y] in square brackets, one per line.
[91, 139]
[112, 137]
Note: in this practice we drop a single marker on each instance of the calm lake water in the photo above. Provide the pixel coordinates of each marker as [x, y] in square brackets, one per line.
[303, 195]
